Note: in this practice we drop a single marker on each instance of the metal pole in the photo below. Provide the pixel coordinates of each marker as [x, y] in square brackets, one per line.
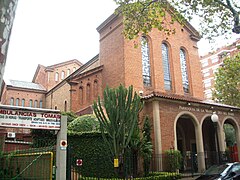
[217, 149]
[61, 151]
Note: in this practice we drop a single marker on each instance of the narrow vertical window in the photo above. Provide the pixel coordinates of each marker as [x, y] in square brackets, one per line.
[166, 67]
[23, 102]
[183, 63]
[88, 92]
[30, 103]
[35, 103]
[68, 72]
[81, 95]
[40, 103]
[12, 101]
[63, 75]
[55, 107]
[74, 69]
[17, 102]
[95, 88]
[146, 70]
[56, 76]
[65, 106]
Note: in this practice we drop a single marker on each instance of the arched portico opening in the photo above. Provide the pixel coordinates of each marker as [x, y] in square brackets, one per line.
[210, 141]
[186, 142]
[231, 136]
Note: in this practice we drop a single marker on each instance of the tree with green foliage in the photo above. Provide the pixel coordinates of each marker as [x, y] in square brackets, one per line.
[85, 123]
[70, 116]
[117, 114]
[227, 84]
[147, 147]
[216, 17]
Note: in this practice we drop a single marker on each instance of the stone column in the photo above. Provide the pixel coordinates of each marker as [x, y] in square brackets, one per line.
[157, 135]
[238, 141]
[200, 149]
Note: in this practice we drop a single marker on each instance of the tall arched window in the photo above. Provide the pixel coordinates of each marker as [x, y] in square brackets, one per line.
[95, 88]
[146, 70]
[68, 72]
[88, 91]
[17, 102]
[56, 76]
[63, 75]
[12, 101]
[30, 103]
[23, 102]
[81, 95]
[166, 67]
[65, 106]
[183, 62]
[40, 104]
[35, 103]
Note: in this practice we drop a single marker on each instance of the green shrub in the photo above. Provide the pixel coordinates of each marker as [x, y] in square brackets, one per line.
[85, 123]
[94, 153]
[174, 159]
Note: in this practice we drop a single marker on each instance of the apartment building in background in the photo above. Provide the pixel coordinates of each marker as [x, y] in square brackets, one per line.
[211, 62]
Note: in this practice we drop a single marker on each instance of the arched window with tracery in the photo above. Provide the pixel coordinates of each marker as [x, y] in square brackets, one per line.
[146, 69]
[88, 92]
[95, 88]
[166, 67]
[183, 62]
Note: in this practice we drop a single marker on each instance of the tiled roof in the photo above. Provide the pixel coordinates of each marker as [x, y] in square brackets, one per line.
[185, 98]
[24, 84]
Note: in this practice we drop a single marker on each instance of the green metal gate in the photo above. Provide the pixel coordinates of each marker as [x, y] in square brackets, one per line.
[34, 163]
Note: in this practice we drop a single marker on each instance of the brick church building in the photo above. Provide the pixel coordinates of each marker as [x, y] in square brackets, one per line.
[166, 72]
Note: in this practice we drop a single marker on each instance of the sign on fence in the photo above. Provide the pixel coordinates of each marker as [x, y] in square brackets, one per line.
[29, 118]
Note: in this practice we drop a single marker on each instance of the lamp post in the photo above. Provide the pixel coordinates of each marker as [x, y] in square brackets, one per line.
[215, 119]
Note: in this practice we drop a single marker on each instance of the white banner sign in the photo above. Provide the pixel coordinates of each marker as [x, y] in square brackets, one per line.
[29, 119]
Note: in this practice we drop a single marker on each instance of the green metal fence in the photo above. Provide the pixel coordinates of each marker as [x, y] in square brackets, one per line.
[32, 163]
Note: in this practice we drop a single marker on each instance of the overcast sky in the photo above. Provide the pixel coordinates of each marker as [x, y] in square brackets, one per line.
[48, 32]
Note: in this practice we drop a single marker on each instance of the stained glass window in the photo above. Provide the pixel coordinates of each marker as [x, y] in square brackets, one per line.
[184, 71]
[166, 67]
[146, 70]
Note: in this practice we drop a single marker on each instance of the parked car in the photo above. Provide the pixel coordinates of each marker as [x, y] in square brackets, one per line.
[227, 171]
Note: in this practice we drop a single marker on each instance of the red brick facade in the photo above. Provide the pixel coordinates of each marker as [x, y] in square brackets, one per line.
[180, 119]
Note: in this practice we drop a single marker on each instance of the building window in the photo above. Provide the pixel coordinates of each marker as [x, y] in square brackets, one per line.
[63, 75]
[40, 104]
[12, 101]
[55, 107]
[88, 92]
[95, 88]
[214, 59]
[74, 69]
[56, 76]
[81, 95]
[207, 83]
[30, 103]
[65, 106]
[146, 70]
[166, 67]
[206, 73]
[35, 103]
[68, 72]
[205, 63]
[17, 102]
[183, 62]
[23, 102]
